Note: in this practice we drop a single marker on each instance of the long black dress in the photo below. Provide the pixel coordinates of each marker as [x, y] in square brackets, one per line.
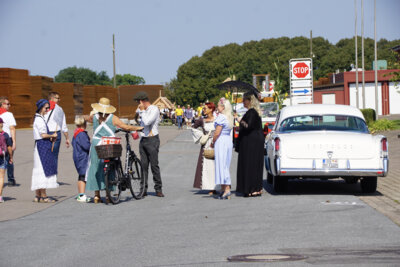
[250, 146]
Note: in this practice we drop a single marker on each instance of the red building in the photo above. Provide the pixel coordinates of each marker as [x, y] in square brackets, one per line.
[341, 89]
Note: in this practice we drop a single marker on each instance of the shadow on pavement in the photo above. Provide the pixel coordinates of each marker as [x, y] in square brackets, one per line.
[320, 187]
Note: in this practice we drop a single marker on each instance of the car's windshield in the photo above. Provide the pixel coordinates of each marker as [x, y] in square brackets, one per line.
[323, 122]
[269, 109]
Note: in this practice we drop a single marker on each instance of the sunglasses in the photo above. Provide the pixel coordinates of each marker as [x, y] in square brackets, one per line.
[47, 108]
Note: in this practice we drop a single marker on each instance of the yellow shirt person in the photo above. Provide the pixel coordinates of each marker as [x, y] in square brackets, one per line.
[199, 110]
[179, 112]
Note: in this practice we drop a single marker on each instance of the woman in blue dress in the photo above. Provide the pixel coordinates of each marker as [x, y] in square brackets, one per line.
[44, 173]
[222, 143]
[104, 124]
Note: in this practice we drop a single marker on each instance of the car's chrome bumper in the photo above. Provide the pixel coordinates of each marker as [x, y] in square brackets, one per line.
[308, 172]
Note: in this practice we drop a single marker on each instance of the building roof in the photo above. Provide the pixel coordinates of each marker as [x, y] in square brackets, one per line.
[163, 102]
[396, 48]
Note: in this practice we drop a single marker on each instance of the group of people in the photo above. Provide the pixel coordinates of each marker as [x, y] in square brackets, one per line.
[182, 115]
[48, 125]
[213, 175]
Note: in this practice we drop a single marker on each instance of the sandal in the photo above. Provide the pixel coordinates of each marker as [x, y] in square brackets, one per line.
[97, 199]
[36, 199]
[47, 200]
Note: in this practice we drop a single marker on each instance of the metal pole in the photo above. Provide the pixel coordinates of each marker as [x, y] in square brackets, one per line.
[115, 82]
[356, 55]
[362, 53]
[376, 65]
[311, 56]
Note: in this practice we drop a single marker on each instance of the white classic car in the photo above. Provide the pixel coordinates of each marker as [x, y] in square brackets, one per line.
[324, 141]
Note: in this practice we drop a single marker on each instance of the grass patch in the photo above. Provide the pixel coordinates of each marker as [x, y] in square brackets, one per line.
[382, 125]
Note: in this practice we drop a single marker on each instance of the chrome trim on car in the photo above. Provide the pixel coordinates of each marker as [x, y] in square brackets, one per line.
[331, 172]
[385, 166]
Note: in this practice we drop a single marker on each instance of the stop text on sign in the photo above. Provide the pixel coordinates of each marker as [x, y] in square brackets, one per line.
[301, 70]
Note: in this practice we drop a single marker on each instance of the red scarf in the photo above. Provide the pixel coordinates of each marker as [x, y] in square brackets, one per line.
[52, 105]
[77, 131]
[2, 110]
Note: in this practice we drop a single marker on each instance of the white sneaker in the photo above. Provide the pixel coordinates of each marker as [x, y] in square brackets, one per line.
[1, 199]
[83, 198]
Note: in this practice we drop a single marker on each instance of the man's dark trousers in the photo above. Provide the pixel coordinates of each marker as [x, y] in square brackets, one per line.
[148, 148]
[10, 169]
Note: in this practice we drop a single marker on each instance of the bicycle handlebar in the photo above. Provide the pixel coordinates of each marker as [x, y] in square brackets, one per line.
[122, 130]
[125, 131]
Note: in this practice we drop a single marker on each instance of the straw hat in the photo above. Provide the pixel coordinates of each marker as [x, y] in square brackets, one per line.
[104, 106]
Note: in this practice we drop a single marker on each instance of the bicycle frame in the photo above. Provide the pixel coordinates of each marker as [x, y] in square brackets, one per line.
[129, 157]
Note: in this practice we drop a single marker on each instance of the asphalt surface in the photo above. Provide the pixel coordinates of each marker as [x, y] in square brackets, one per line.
[323, 221]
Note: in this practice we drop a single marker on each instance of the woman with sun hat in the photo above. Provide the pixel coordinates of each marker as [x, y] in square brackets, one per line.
[104, 124]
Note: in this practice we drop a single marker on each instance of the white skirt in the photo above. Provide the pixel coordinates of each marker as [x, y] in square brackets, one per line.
[39, 179]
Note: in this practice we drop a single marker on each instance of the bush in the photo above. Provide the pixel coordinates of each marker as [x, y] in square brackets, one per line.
[369, 115]
[382, 125]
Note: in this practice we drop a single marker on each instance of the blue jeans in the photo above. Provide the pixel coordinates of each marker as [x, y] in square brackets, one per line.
[10, 168]
[56, 148]
[179, 119]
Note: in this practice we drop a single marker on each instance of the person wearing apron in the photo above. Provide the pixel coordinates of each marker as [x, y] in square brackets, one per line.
[104, 125]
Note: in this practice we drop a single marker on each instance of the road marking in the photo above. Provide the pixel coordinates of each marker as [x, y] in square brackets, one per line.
[340, 203]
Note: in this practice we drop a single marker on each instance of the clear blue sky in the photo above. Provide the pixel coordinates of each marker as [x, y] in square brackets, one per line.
[154, 37]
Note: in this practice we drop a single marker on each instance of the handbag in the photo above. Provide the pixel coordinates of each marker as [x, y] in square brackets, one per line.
[209, 153]
[204, 138]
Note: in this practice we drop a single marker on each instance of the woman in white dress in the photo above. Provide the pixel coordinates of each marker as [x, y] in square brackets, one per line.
[44, 173]
[205, 172]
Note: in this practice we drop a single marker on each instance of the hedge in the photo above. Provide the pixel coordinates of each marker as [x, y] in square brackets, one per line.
[369, 115]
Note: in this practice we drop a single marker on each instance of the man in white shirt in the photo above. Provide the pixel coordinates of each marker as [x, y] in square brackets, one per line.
[9, 128]
[150, 141]
[55, 119]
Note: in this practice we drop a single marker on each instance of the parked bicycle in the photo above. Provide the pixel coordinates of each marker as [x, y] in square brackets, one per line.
[118, 178]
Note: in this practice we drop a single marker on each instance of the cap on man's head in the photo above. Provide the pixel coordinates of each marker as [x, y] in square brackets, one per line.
[140, 96]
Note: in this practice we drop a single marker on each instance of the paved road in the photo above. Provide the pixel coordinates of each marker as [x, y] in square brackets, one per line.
[322, 221]
[19, 199]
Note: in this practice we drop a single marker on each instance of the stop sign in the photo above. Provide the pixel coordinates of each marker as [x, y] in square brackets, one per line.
[301, 70]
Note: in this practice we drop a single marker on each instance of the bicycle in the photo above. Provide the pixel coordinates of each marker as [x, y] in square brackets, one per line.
[118, 178]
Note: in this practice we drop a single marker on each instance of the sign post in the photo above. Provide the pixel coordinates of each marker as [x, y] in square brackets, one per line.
[301, 81]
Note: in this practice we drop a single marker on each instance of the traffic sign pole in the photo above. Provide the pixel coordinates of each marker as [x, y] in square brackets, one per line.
[301, 81]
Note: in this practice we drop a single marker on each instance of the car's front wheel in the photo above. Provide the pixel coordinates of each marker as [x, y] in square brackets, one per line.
[279, 183]
[369, 184]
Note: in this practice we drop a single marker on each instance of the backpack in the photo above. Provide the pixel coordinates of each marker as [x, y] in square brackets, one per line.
[3, 144]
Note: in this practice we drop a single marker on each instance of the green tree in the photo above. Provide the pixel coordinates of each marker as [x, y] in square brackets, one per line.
[197, 79]
[89, 77]
[128, 79]
[79, 75]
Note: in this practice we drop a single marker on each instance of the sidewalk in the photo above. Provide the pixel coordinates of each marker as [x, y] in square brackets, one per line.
[387, 198]
[18, 200]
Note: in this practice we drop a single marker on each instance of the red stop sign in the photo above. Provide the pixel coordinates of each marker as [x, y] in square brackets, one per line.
[301, 70]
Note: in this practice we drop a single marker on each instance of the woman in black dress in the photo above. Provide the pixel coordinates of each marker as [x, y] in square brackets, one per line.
[250, 146]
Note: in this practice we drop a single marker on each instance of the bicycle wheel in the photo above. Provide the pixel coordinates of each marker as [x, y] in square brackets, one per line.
[136, 184]
[112, 179]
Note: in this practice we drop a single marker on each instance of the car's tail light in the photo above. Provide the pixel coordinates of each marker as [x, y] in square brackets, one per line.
[384, 146]
[277, 144]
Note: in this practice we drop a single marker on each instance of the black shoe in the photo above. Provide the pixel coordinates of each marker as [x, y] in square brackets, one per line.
[12, 183]
[145, 193]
